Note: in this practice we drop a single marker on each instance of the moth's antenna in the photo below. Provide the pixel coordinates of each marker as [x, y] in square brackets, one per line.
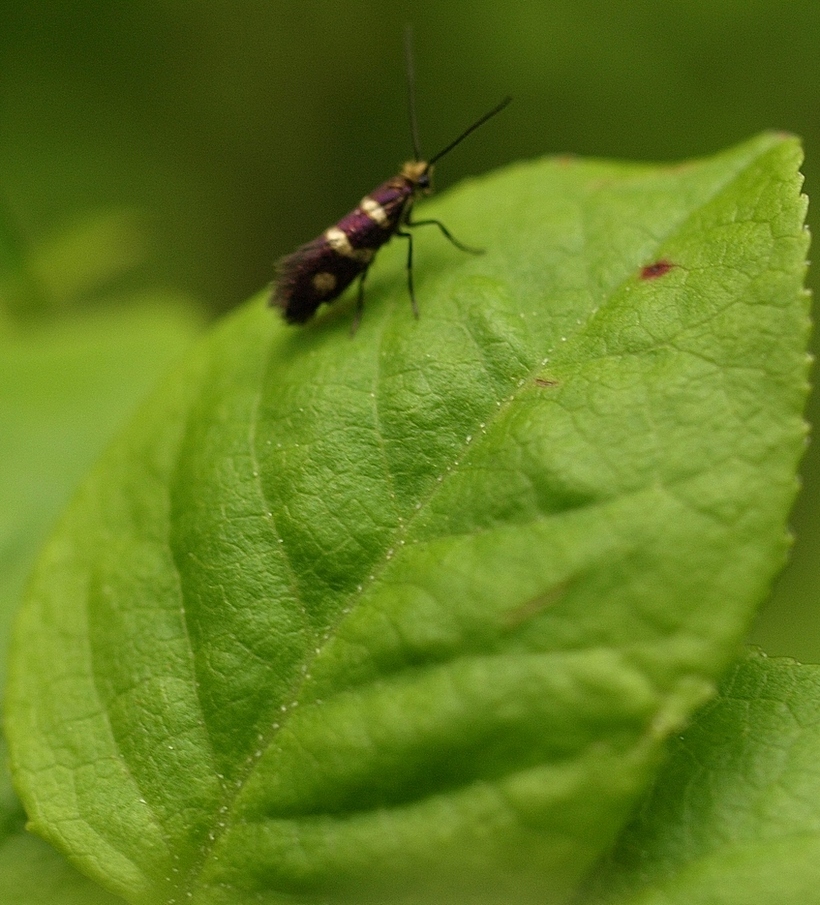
[411, 89]
[466, 132]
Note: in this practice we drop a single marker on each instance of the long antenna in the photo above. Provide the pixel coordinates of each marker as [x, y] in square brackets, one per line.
[411, 89]
[466, 132]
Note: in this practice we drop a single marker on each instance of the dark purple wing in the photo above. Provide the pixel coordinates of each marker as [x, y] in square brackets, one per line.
[312, 274]
[378, 214]
[322, 269]
[393, 195]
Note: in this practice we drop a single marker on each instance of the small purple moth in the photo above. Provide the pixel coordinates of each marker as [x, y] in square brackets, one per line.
[321, 270]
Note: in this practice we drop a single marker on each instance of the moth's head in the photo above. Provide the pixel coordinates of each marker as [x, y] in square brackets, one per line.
[420, 174]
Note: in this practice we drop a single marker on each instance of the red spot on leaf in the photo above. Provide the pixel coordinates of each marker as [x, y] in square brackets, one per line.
[658, 269]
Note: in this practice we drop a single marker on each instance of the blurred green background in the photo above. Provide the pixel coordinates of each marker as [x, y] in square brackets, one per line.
[176, 149]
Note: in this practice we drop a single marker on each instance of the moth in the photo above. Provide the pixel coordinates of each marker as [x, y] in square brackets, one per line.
[320, 270]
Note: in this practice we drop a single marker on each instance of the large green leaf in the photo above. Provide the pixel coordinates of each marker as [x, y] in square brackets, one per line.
[410, 617]
[735, 815]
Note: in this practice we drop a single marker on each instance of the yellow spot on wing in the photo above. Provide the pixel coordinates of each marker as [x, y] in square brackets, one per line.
[323, 282]
[339, 242]
[373, 210]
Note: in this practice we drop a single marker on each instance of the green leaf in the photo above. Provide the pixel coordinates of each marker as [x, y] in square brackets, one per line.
[735, 815]
[410, 617]
[30, 870]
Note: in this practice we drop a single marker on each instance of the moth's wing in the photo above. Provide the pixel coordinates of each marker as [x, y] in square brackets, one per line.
[312, 274]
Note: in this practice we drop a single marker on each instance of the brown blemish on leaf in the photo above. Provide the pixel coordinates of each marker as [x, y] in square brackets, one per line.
[546, 382]
[527, 611]
[658, 269]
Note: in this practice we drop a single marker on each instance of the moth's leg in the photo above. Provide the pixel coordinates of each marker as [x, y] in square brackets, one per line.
[409, 238]
[446, 233]
[357, 317]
